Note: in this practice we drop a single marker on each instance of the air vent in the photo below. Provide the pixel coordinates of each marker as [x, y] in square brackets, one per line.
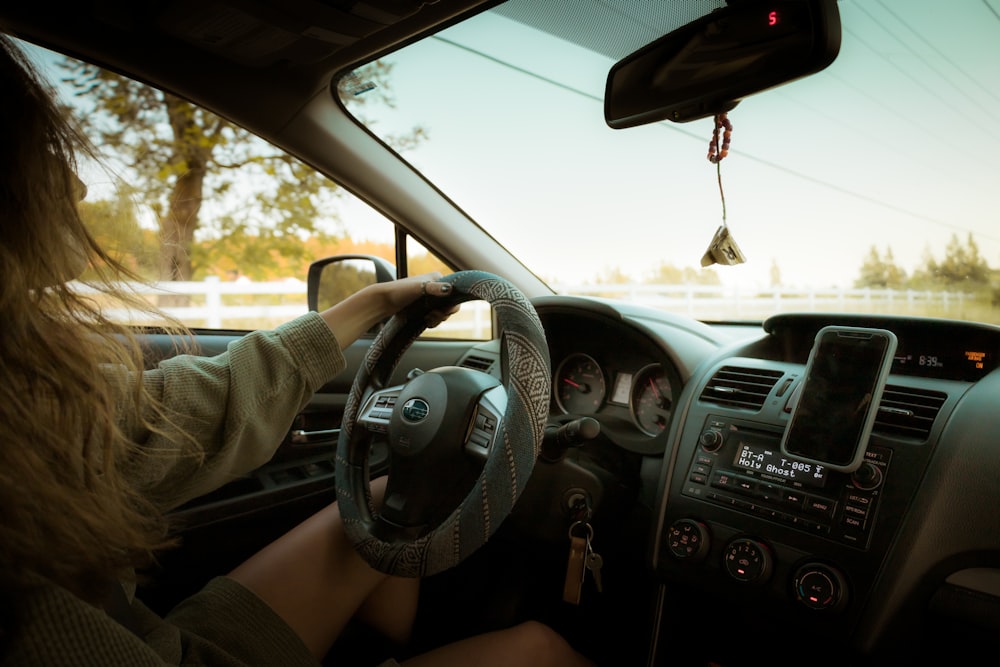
[907, 412]
[737, 387]
[483, 364]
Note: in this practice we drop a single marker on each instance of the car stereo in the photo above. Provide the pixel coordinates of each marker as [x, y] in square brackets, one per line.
[740, 464]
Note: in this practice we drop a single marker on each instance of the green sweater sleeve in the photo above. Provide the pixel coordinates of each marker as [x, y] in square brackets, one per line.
[225, 415]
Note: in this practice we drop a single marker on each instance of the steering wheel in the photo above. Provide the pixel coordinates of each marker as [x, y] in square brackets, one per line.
[442, 426]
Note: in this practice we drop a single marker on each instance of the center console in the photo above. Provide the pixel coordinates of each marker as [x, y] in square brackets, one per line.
[777, 539]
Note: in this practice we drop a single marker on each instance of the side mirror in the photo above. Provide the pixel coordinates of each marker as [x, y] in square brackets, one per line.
[707, 66]
[333, 279]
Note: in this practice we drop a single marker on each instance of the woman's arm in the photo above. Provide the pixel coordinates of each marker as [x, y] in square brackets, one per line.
[225, 415]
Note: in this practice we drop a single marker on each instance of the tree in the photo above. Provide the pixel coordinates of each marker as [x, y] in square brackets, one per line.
[205, 178]
[115, 227]
[668, 274]
[962, 267]
[879, 272]
[775, 273]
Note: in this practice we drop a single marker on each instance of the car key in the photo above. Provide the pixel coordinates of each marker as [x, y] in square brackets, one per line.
[594, 563]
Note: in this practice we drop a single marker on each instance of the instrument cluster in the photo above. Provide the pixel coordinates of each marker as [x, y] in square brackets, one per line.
[582, 386]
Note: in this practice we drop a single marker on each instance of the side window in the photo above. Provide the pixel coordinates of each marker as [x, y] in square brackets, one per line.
[474, 321]
[222, 223]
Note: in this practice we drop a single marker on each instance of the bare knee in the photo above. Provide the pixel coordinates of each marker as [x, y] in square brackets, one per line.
[543, 645]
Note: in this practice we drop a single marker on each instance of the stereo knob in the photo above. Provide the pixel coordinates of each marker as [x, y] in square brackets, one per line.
[747, 560]
[688, 539]
[710, 440]
[868, 477]
[819, 586]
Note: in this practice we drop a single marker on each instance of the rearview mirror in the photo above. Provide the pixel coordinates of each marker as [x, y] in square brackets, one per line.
[333, 279]
[707, 66]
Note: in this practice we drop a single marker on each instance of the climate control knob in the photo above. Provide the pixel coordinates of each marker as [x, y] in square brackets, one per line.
[688, 539]
[820, 586]
[747, 560]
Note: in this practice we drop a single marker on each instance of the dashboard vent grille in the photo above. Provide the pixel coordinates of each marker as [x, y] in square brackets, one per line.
[737, 387]
[907, 412]
[483, 364]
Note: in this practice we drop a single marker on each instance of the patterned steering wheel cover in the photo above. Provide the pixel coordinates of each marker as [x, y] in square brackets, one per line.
[526, 377]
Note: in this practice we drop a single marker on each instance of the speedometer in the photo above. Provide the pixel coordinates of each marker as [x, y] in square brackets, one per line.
[652, 399]
[579, 385]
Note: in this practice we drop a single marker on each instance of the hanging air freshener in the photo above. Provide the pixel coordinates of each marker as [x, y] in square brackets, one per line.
[723, 248]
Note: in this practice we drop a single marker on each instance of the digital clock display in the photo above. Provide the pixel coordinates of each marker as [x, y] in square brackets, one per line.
[762, 456]
[944, 362]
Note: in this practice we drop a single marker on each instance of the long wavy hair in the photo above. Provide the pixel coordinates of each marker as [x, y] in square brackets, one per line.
[68, 512]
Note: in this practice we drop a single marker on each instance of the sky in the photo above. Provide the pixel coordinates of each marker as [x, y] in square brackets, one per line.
[895, 145]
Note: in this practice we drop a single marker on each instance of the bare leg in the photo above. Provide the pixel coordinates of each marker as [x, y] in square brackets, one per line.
[392, 608]
[314, 579]
[529, 644]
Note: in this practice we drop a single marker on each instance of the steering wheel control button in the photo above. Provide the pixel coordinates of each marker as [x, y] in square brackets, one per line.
[378, 412]
[688, 540]
[819, 587]
[415, 410]
[747, 560]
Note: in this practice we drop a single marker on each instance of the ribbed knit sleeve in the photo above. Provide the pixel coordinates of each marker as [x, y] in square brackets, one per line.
[227, 414]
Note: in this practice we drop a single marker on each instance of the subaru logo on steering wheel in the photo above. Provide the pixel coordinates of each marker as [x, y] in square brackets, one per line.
[415, 409]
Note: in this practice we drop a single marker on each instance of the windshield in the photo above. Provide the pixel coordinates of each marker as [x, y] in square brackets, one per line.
[868, 187]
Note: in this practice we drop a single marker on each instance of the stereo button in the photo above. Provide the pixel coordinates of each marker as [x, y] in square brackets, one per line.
[723, 481]
[860, 512]
[820, 506]
[770, 492]
[793, 498]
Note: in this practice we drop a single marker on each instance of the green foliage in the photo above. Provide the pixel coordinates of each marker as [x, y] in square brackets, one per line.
[342, 279]
[114, 225]
[881, 272]
[961, 269]
[213, 189]
[668, 274]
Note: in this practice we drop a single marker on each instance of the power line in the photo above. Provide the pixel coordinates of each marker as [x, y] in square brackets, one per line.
[943, 55]
[992, 9]
[914, 79]
[691, 135]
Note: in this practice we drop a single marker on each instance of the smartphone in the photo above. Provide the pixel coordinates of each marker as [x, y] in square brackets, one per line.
[839, 396]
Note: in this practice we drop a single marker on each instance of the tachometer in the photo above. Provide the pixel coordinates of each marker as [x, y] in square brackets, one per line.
[652, 399]
[579, 385]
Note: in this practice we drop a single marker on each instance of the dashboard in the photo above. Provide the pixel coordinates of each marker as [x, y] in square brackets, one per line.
[806, 557]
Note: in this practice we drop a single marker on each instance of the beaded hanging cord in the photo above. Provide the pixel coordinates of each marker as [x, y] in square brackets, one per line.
[717, 152]
[723, 248]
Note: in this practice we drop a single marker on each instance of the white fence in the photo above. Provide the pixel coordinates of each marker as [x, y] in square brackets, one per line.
[716, 302]
[219, 304]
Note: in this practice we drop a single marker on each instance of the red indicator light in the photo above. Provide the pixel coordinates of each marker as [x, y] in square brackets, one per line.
[773, 18]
